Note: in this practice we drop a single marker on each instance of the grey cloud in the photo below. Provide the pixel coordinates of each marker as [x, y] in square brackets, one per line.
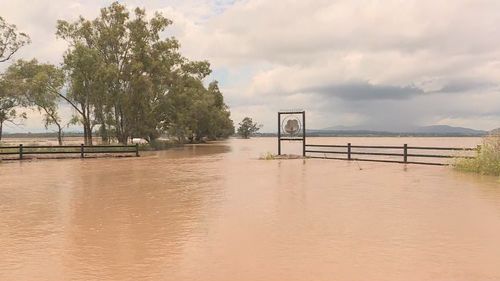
[464, 85]
[368, 91]
[307, 54]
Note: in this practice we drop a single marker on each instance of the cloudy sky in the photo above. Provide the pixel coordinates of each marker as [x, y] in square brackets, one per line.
[372, 64]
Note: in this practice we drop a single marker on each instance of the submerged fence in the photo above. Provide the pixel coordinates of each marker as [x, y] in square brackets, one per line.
[392, 154]
[21, 152]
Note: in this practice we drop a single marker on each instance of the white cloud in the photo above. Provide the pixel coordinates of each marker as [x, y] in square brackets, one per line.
[270, 55]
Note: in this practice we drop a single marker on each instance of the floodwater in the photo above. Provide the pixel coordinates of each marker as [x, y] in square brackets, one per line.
[216, 212]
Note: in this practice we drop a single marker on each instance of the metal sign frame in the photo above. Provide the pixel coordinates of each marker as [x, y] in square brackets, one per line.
[280, 127]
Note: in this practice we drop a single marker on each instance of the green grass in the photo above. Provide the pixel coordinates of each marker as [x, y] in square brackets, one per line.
[487, 160]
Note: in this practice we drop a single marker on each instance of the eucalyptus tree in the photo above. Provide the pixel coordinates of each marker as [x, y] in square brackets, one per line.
[132, 81]
[38, 85]
[135, 67]
[86, 78]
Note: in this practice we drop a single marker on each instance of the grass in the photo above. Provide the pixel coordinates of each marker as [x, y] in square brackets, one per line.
[487, 160]
[268, 156]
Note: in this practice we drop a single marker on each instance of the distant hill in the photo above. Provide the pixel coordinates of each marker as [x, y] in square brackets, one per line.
[444, 129]
[40, 135]
[434, 130]
[495, 131]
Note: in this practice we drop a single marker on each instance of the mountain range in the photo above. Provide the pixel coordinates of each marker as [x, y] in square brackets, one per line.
[434, 130]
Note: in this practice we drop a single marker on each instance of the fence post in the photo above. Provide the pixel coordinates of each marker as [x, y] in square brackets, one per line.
[405, 153]
[279, 133]
[20, 152]
[137, 150]
[349, 151]
[82, 151]
[304, 134]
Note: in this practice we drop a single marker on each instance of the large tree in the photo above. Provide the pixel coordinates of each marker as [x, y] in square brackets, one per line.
[131, 81]
[86, 85]
[131, 68]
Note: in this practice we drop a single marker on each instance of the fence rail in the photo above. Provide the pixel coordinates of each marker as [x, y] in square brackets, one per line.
[386, 151]
[81, 150]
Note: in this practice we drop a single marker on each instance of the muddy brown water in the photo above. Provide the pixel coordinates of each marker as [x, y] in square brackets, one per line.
[216, 212]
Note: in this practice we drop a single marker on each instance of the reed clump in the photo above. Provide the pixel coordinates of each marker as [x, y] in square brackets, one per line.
[487, 160]
[268, 156]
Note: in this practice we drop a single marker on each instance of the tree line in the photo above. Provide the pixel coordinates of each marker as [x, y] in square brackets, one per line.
[122, 78]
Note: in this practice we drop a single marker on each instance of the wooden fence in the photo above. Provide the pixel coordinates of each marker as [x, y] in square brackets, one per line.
[392, 154]
[20, 152]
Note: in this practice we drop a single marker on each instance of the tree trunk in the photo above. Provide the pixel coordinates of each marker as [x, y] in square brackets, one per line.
[59, 135]
[87, 132]
[88, 129]
[85, 138]
[1, 128]
[120, 130]
[104, 133]
[123, 139]
[123, 133]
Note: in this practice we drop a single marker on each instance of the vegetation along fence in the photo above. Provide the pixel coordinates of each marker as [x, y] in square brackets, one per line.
[392, 154]
[22, 152]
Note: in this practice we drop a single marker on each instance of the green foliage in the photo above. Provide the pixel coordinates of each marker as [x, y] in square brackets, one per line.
[487, 160]
[9, 102]
[129, 80]
[195, 113]
[247, 127]
[121, 76]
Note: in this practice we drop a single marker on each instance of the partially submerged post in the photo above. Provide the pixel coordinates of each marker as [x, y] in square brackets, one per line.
[349, 151]
[405, 153]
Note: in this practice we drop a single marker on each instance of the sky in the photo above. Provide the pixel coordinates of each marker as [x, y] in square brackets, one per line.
[381, 65]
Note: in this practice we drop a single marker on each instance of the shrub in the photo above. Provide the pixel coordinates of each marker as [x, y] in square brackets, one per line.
[487, 160]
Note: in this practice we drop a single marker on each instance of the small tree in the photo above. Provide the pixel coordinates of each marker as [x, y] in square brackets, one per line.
[247, 128]
[38, 85]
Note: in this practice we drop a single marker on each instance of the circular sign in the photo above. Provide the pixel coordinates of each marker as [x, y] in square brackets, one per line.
[291, 125]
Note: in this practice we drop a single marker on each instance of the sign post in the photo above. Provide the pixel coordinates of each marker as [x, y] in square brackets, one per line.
[290, 126]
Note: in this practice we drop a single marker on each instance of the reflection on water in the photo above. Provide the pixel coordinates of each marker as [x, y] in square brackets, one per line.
[215, 212]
